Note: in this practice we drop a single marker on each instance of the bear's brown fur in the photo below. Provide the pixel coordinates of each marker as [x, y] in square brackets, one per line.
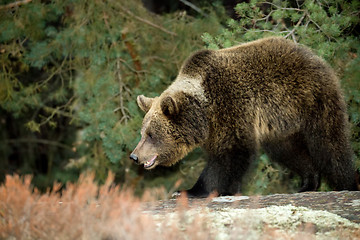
[271, 94]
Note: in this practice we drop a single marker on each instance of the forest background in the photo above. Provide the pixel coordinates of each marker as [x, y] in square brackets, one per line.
[70, 72]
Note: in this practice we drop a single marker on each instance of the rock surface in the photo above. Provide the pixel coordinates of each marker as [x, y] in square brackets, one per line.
[323, 215]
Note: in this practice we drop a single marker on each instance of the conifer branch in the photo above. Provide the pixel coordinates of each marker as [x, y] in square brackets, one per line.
[14, 4]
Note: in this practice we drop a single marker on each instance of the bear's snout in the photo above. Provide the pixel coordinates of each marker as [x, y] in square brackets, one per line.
[134, 158]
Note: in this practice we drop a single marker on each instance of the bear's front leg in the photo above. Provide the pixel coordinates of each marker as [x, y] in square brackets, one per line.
[223, 174]
[202, 188]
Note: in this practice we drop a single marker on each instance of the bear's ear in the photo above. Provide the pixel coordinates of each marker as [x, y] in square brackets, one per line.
[169, 106]
[144, 102]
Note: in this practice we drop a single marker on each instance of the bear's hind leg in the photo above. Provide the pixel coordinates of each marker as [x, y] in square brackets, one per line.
[310, 182]
[292, 153]
[330, 149]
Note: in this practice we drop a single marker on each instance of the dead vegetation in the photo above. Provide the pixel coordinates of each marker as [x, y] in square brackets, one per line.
[85, 210]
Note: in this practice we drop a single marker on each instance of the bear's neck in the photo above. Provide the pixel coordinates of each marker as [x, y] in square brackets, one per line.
[196, 109]
[190, 85]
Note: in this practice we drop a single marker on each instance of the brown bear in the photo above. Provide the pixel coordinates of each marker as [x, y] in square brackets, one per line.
[271, 94]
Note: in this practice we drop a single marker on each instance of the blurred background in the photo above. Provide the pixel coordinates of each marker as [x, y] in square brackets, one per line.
[70, 72]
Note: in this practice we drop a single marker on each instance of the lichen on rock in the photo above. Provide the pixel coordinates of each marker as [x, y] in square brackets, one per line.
[280, 221]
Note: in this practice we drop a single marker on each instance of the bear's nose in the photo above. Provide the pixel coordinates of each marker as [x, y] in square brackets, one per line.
[134, 158]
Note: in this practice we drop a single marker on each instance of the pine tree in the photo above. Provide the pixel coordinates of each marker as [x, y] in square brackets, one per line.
[71, 71]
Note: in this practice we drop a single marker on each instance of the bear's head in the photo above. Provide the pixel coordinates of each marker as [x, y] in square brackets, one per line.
[174, 124]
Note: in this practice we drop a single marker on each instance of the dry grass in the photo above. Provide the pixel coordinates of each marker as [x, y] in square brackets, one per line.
[82, 211]
[85, 210]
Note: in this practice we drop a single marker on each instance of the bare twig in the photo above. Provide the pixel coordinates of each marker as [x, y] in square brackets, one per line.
[56, 111]
[57, 71]
[157, 58]
[283, 8]
[266, 17]
[122, 108]
[266, 30]
[132, 69]
[189, 4]
[320, 29]
[291, 33]
[147, 22]
[37, 140]
[134, 56]
[14, 4]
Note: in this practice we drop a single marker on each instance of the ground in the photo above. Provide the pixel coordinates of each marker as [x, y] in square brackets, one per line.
[312, 215]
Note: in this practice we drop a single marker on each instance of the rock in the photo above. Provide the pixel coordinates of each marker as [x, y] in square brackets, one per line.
[324, 215]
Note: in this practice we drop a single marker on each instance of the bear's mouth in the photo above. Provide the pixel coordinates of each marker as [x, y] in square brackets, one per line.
[150, 163]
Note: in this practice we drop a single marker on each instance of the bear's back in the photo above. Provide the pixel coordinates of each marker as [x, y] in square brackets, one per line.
[269, 59]
[262, 80]
[268, 68]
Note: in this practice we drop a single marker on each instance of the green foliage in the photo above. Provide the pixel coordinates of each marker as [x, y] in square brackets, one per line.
[351, 83]
[329, 28]
[323, 25]
[71, 71]
[266, 177]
